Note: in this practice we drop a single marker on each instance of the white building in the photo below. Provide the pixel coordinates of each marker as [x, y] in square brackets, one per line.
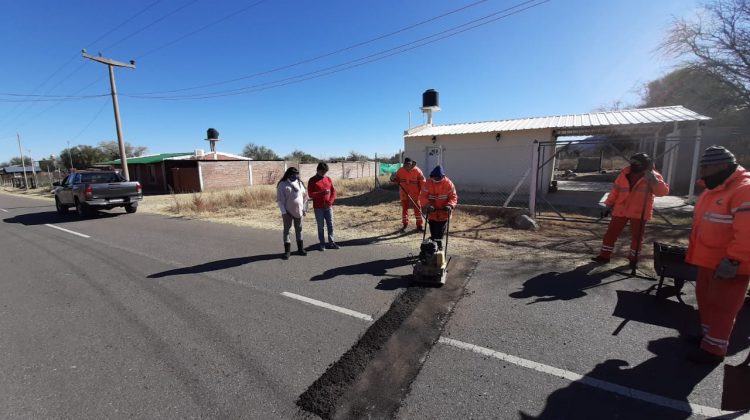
[500, 155]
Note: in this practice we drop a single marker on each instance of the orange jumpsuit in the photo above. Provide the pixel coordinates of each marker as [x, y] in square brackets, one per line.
[411, 180]
[438, 194]
[628, 205]
[721, 229]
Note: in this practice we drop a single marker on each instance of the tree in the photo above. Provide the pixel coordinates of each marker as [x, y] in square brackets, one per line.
[701, 91]
[357, 157]
[111, 149]
[717, 41]
[83, 156]
[301, 157]
[17, 161]
[256, 152]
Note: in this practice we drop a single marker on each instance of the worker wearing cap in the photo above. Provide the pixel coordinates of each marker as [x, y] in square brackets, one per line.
[410, 180]
[438, 199]
[631, 199]
[720, 247]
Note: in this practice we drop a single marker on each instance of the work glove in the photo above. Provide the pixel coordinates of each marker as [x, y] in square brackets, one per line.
[650, 177]
[727, 269]
[428, 209]
[393, 177]
[606, 211]
[449, 209]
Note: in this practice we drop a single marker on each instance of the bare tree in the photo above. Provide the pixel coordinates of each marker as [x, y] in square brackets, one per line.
[112, 149]
[716, 40]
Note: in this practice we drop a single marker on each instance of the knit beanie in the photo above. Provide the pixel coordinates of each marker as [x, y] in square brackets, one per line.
[437, 172]
[716, 155]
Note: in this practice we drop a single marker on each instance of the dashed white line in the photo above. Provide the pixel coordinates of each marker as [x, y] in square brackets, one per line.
[328, 306]
[587, 380]
[68, 231]
[4, 210]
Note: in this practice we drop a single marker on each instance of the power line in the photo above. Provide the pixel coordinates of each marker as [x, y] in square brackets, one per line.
[325, 55]
[72, 58]
[132, 34]
[493, 17]
[230, 15]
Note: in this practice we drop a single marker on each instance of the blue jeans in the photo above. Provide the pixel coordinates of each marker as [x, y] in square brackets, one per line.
[327, 216]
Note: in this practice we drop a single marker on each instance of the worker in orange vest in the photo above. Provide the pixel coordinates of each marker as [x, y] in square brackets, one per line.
[720, 247]
[438, 199]
[631, 199]
[410, 180]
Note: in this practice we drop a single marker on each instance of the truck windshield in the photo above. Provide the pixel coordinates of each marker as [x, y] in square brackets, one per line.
[101, 178]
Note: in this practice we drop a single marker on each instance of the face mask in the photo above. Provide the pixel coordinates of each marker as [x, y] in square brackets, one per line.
[713, 181]
[636, 168]
[292, 178]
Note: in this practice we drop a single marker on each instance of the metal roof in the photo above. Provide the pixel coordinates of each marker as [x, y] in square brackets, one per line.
[13, 169]
[144, 160]
[575, 122]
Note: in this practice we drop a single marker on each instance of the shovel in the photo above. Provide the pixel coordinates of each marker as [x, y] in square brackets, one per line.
[736, 395]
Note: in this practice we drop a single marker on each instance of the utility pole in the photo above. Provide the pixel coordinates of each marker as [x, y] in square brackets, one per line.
[23, 163]
[110, 65]
[70, 157]
[33, 171]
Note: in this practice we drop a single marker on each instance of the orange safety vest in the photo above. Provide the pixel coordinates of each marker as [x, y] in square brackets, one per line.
[412, 181]
[721, 224]
[438, 194]
[629, 202]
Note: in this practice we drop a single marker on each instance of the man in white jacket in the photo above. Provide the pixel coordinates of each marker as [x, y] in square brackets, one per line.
[291, 195]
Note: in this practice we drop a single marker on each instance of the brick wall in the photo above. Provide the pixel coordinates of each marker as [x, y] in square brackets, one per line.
[219, 174]
[270, 172]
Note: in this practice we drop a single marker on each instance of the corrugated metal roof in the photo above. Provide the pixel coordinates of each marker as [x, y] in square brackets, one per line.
[143, 160]
[629, 117]
[19, 168]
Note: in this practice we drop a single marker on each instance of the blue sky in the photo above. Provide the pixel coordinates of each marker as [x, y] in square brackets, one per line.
[562, 56]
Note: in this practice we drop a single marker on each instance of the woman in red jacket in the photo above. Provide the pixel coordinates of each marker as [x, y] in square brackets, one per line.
[323, 194]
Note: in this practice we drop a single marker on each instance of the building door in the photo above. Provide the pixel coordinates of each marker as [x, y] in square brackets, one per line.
[434, 158]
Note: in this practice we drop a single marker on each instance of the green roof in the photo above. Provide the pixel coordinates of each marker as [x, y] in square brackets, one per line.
[144, 160]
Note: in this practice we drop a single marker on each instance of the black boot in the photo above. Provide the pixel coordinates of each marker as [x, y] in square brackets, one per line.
[301, 248]
[287, 250]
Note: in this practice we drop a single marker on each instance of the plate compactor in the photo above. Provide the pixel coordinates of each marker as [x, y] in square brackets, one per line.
[432, 263]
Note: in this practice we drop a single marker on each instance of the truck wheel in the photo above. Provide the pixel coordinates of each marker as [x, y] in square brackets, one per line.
[82, 209]
[131, 208]
[60, 208]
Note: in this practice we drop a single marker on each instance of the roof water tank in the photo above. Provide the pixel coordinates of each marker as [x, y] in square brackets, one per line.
[212, 134]
[430, 98]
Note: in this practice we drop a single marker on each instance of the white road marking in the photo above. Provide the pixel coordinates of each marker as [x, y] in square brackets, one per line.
[328, 306]
[69, 231]
[587, 380]
[4, 210]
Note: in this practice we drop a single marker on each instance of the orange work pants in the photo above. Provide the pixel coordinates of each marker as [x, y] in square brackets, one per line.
[405, 204]
[719, 302]
[615, 228]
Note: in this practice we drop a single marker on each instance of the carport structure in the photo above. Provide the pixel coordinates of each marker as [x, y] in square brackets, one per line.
[521, 152]
[671, 135]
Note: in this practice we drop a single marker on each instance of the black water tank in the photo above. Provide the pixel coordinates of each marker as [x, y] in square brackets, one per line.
[212, 133]
[430, 98]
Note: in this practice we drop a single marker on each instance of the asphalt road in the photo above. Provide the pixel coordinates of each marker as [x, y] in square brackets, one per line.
[146, 316]
[155, 317]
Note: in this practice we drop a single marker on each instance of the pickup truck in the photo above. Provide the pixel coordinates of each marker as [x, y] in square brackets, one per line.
[87, 191]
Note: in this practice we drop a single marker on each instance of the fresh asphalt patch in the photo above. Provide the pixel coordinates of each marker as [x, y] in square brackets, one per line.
[374, 375]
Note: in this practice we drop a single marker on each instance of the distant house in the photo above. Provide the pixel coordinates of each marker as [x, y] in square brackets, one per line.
[188, 172]
[13, 175]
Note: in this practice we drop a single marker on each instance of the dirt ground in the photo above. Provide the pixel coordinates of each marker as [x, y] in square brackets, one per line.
[375, 216]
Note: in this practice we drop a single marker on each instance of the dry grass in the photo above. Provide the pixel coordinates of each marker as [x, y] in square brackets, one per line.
[374, 215]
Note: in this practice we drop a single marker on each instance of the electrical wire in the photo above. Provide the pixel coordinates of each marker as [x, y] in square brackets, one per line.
[230, 15]
[502, 14]
[132, 34]
[319, 57]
